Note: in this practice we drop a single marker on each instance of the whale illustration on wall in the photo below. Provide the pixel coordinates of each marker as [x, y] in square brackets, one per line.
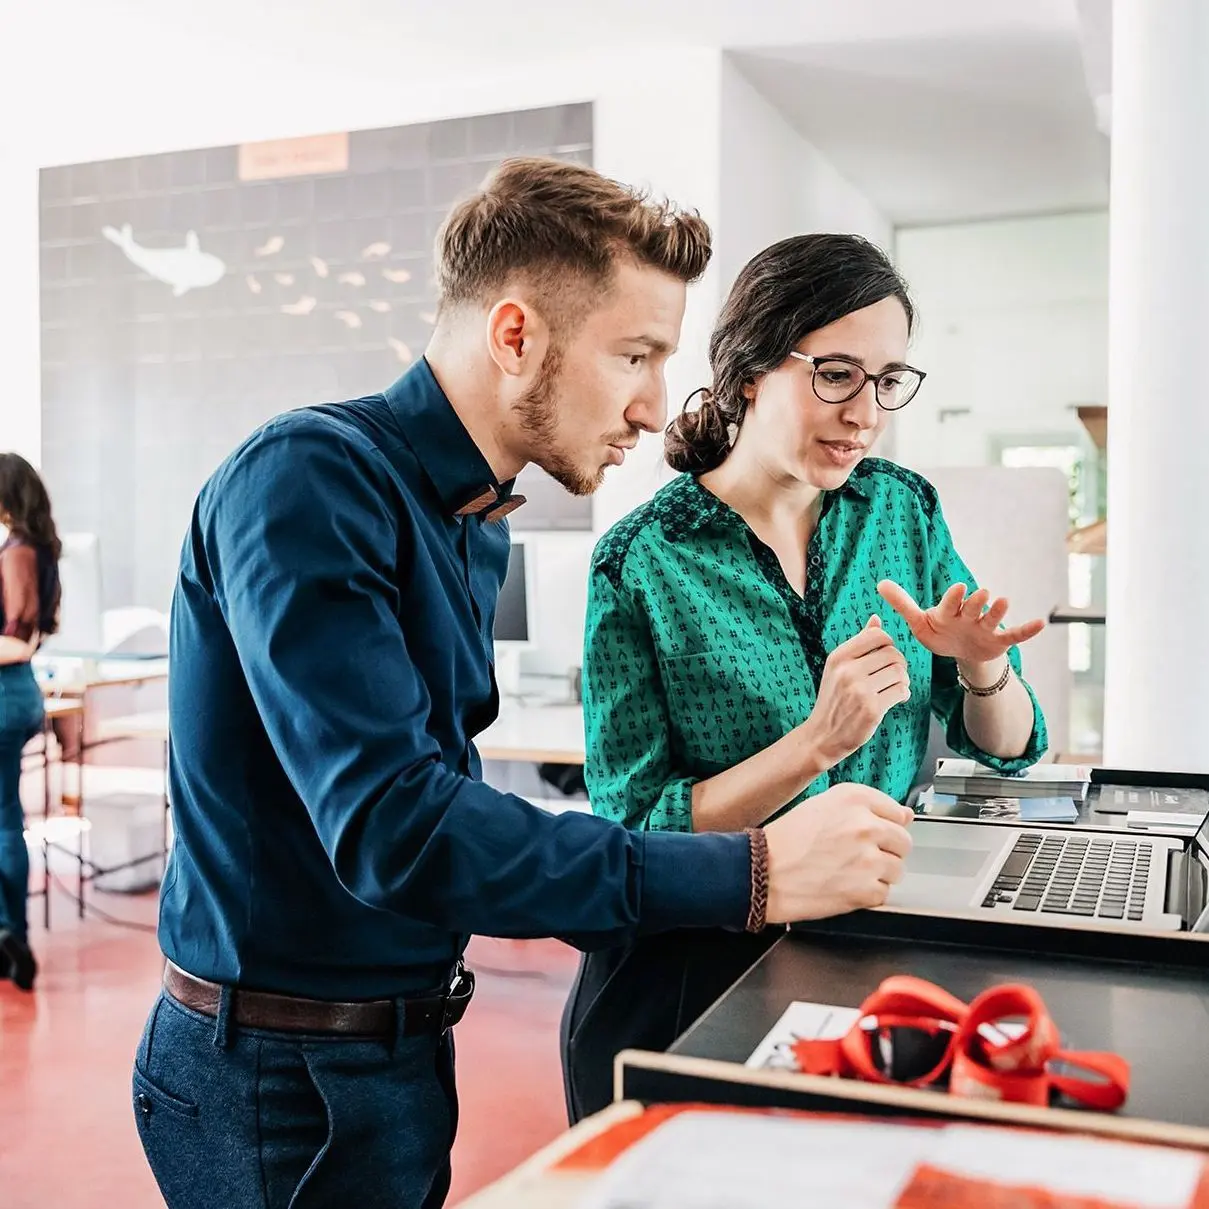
[184, 269]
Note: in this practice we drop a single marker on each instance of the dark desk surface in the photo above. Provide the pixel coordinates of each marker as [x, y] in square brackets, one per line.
[1157, 1017]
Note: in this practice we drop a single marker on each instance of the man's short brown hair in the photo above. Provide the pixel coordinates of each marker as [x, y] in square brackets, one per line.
[561, 227]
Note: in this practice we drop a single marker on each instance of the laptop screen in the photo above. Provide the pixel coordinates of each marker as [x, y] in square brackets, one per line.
[1202, 836]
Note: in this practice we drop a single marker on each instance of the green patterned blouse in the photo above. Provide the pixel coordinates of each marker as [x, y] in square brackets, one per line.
[699, 653]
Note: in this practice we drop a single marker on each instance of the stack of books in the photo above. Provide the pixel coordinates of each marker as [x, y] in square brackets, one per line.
[969, 778]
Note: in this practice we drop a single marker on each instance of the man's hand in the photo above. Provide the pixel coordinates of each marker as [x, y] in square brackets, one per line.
[834, 853]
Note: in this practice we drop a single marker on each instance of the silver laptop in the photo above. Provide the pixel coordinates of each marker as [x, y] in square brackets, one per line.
[1058, 876]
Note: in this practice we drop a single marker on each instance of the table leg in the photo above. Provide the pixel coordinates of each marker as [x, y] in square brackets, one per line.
[80, 822]
[47, 731]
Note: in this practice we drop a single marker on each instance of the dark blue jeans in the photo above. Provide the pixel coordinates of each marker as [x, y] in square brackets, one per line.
[266, 1120]
[21, 715]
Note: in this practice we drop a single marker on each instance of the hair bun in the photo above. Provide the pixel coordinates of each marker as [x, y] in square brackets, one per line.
[697, 441]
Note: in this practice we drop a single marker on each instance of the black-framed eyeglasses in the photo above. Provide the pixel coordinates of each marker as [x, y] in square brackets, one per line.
[837, 379]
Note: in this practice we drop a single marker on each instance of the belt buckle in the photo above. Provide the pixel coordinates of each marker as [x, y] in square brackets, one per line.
[461, 989]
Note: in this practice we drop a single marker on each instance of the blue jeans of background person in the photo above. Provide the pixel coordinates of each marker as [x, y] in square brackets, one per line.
[252, 1119]
[21, 713]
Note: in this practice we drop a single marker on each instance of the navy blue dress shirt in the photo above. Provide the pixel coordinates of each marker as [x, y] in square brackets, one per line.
[330, 666]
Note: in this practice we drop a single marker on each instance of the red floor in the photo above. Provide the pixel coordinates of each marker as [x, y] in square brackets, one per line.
[67, 1135]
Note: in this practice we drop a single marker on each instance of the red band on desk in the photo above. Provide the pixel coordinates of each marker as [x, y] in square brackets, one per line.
[981, 1061]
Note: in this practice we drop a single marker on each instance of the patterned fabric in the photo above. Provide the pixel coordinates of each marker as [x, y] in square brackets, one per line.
[699, 653]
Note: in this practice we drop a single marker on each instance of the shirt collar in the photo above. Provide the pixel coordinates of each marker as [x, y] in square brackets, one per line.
[692, 507]
[444, 449]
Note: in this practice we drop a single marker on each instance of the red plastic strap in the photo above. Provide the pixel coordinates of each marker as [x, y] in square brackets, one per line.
[983, 1062]
[900, 1001]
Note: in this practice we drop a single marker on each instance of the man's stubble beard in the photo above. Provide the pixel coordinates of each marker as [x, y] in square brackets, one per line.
[538, 410]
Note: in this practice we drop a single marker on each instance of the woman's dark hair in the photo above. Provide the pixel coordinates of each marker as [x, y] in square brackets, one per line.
[25, 504]
[782, 294]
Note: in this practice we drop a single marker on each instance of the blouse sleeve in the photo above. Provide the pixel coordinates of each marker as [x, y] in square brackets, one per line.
[629, 769]
[948, 699]
[19, 591]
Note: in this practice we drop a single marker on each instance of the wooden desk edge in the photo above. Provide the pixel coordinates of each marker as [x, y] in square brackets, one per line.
[523, 1184]
[856, 1093]
[535, 755]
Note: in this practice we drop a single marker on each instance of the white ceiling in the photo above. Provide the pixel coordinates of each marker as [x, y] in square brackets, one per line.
[948, 127]
[939, 110]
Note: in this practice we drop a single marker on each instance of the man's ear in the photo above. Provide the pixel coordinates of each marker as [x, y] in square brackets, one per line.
[516, 336]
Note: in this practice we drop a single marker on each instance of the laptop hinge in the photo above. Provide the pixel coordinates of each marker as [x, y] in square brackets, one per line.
[1187, 886]
[1197, 919]
[1176, 901]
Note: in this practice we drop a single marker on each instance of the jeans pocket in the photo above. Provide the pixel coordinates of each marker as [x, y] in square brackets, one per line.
[173, 1137]
[148, 1095]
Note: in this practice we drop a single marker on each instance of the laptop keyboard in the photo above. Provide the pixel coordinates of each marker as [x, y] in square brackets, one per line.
[1074, 875]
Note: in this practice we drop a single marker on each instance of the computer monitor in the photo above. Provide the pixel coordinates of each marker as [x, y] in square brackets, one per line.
[80, 608]
[514, 629]
[513, 611]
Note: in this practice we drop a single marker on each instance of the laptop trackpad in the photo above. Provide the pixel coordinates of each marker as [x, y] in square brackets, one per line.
[949, 862]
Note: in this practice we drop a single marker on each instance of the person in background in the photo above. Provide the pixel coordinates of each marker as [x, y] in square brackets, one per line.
[29, 603]
[787, 613]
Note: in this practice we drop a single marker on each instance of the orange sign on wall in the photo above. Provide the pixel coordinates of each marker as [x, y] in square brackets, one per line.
[293, 157]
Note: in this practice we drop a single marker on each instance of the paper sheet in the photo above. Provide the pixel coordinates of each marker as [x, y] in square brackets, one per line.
[1149, 1177]
[816, 1021]
[724, 1160]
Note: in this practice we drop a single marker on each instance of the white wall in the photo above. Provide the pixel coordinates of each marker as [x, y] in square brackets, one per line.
[20, 334]
[775, 183]
[1013, 325]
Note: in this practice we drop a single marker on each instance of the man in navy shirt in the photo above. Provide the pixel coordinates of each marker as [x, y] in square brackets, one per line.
[331, 666]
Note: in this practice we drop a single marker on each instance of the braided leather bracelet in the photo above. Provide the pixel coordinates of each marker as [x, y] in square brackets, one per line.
[757, 915]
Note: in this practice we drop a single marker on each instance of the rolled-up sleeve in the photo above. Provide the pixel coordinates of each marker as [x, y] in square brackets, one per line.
[629, 771]
[19, 591]
[308, 589]
[948, 698]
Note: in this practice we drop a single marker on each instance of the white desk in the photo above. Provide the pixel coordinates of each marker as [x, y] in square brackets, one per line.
[535, 733]
[150, 725]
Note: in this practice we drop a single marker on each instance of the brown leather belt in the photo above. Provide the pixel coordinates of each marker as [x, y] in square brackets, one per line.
[286, 1013]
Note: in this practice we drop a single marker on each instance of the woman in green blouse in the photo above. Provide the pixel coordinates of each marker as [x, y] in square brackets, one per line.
[787, 613]
[752, 632]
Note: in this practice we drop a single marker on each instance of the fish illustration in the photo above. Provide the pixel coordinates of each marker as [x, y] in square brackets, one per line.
[400, 350]
[376, 251]
[253, 284]
[284, 278]
[379, 305]
[353, 278]
[349, 318]
[304, 306]
[184, 269]
[320, 266]
[270, 247]
[428, 317]
[399, 276]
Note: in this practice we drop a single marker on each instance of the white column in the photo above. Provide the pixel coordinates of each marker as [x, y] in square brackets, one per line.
[1157, 675]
